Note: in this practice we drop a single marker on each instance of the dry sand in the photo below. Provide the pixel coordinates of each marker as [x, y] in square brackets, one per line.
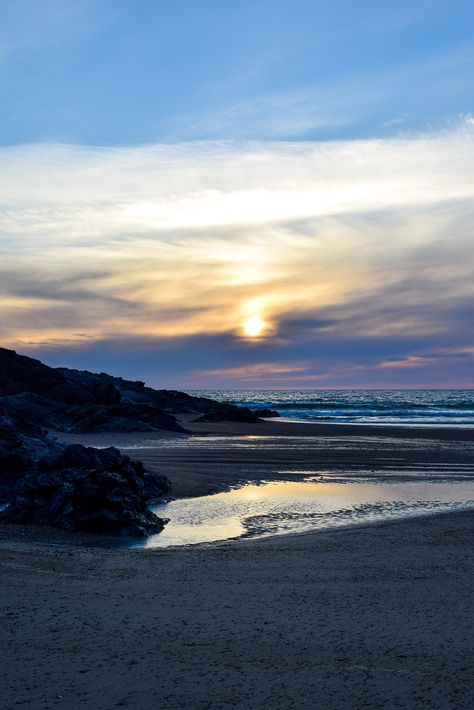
[373, 617]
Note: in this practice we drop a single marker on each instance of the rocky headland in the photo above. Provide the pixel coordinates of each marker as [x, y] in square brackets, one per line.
[46, 482]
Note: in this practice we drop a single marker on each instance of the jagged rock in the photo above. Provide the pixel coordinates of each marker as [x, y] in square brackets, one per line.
[148, 484]
[92, 418]
[84, 402]
[74, 487]
[19, 373]
[77, 500]
[75, 401]
[80, 488]
[266, 413]
[22, 446]
[46, 482]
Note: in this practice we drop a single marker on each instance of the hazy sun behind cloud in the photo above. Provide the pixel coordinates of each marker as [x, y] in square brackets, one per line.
[254, 327]
[161, 242]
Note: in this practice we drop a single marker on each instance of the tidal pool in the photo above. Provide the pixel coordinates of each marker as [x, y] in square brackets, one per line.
[276, 508]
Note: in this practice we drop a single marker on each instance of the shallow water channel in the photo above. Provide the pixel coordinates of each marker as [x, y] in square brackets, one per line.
[276, 508]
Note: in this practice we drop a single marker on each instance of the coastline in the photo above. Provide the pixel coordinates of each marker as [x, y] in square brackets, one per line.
[362, 617]
[217, 456]
[269, 427]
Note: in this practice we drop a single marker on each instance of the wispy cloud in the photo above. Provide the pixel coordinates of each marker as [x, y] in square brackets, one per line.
[382, 102]
[281, 115]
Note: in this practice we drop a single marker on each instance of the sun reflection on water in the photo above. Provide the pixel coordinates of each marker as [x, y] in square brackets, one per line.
[259, 510]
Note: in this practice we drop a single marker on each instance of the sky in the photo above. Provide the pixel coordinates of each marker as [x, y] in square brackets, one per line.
[215, 195]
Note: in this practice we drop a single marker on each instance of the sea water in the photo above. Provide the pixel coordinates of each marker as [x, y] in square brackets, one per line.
[407, 407]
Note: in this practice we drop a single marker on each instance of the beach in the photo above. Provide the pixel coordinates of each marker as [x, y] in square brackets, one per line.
[378, 616]
[222, 454]
[367, 616]
[236, 355]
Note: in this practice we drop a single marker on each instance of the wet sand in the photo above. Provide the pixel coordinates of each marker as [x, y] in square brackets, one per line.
[372, 617]
[217, 457]
[277, 427]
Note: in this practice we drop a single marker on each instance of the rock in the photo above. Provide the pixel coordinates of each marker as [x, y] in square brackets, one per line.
[90, 418]
[22, 446]
[232, 413]
[46, 482]
[266, 413]
[19, 373]
[78, 500]
[149, 485]
[80, 488]
[75, 487]
[229, 413]
[75, 401]
[85, 402]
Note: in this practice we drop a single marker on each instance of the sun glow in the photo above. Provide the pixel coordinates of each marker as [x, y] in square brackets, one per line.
[254, 327]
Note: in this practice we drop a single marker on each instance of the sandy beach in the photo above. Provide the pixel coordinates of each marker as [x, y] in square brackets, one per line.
[367, 617]
[379, 616]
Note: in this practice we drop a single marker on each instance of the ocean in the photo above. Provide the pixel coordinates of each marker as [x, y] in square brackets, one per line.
[412, 407]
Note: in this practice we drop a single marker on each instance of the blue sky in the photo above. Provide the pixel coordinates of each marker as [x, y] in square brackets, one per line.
[108, 72]
[171, 170]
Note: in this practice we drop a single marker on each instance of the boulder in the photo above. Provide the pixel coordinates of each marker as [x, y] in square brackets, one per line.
[83, 501]
[46, 482]
[266, 413]
[90, 490]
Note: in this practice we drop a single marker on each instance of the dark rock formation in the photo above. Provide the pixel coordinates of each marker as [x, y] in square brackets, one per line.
[231, 413]
[73, 487]
[89, 490]
[228, 412]
[266, 413]
[79, 488]
[22, 446]
[84, 402]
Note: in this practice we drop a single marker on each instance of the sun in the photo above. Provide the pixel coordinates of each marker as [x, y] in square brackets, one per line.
[254, 327]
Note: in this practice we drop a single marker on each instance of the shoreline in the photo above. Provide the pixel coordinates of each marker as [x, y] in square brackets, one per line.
[207, 462]
[14, 535]
[275, 428]
[345, 618]
[272, 427]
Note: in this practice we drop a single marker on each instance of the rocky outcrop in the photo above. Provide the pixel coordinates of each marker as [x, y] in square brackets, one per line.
[266, 413]
[46, 482]
[231, 413]
[22, 446]
[84, 402]
[89, 490]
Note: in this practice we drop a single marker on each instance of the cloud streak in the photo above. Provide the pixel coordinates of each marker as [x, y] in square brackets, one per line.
[332, 240]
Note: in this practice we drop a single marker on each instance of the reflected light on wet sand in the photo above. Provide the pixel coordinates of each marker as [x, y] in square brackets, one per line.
[276, 508]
